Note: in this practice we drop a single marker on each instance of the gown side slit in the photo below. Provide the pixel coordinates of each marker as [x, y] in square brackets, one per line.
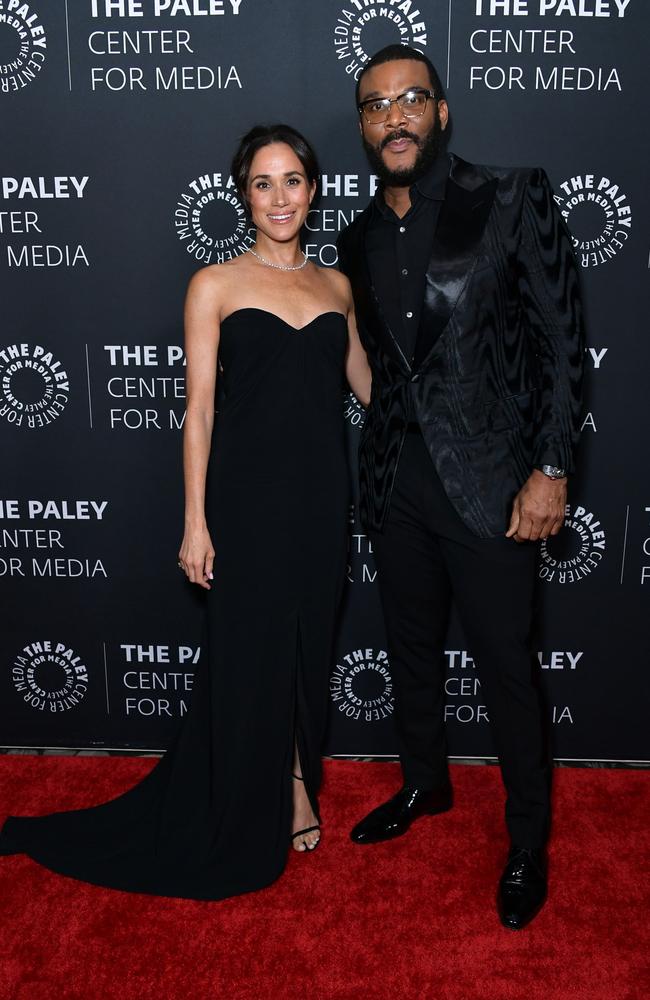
[213, 817]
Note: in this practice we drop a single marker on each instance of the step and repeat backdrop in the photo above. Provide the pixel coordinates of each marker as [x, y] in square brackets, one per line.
[119, 119]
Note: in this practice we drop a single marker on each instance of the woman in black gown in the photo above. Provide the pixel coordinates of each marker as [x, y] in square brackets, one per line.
[269, 487]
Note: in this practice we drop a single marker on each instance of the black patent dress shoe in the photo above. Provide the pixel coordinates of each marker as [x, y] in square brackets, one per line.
[394, 817]
[522, 888]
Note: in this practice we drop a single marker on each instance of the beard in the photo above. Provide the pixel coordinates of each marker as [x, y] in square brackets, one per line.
[428, 150]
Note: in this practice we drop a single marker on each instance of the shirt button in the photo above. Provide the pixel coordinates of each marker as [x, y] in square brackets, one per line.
[409, 315]
[402, 229]
[405, 271]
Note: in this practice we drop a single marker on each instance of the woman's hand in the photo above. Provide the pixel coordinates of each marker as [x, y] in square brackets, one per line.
[196, 556]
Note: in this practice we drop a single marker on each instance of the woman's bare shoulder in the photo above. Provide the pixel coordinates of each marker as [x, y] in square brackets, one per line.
[209, 280]
[337, 283]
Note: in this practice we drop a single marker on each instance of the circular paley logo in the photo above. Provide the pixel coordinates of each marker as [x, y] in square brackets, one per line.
[365, 26]
[576, 552]
[210, 220]
[361, 687]
[23, 45]
[34, 388]
[50, 676]
[598, 215]
[353, 410]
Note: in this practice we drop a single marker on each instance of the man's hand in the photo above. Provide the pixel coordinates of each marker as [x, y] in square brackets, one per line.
[538, 509]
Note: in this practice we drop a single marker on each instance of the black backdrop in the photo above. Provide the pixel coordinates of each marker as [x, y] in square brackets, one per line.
[119, 118]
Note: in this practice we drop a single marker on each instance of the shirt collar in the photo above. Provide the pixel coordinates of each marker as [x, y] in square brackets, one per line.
[434, 182]
[431, 185]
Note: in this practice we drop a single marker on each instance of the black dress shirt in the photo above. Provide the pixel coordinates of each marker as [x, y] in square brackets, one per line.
[398, 252]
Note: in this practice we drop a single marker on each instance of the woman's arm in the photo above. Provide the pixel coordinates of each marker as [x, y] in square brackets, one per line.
[201, 346]
[357, 369]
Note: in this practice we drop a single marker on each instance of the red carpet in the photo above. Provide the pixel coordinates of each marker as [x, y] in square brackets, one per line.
[413, 919]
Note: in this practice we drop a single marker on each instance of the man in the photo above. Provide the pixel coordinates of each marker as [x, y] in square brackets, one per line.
[468, 307]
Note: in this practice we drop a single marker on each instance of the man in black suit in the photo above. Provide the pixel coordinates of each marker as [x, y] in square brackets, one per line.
[468, 307]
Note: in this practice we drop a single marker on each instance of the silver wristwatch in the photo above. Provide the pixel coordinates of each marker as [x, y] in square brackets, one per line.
[552, 471]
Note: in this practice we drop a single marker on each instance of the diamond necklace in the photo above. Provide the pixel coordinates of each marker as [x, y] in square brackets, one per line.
[280, 267]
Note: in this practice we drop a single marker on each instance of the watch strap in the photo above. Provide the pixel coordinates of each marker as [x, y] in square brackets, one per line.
[552, 471]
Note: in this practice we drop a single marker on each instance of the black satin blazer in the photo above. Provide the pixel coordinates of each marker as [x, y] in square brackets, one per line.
[495, 383]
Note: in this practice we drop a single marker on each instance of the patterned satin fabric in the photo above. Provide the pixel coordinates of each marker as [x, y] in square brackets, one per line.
[496, 380]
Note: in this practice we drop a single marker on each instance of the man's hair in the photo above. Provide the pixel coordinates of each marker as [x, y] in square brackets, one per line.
[390, 53]
[266, 135]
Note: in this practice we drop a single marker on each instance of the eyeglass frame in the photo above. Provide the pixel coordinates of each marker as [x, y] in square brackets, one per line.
[395, 100]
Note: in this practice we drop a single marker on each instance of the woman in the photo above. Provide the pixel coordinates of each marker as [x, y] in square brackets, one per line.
[216, 816]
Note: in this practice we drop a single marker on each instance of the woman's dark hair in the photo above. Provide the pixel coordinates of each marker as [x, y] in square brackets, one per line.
[265, 135]
[396, 51]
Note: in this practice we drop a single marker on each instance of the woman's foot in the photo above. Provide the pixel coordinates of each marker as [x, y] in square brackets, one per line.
[303, 819]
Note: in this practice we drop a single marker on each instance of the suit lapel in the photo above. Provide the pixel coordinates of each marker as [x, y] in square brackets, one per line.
[389, 336]
[462, 219]
[366, 299]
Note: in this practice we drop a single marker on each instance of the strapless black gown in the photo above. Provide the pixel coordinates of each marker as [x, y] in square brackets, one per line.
[213, 818]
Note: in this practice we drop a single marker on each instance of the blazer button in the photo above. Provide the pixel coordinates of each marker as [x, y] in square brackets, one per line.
[415, 378]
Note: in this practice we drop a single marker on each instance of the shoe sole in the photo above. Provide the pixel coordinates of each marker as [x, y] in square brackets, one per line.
[520, 927]
[393, 836]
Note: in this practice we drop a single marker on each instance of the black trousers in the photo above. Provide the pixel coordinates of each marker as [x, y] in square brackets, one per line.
[425, 554]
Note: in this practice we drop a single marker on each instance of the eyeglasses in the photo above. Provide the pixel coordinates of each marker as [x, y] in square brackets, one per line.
[412, 104]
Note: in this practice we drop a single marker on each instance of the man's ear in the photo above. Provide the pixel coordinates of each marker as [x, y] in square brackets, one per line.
[443, 114]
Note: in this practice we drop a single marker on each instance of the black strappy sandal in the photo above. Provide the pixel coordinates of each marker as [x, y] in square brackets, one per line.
[308, 829]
